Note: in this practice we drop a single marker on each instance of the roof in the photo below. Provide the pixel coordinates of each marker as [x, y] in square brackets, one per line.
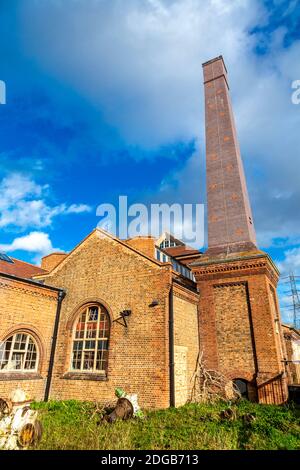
[185, 255]
[175, 251]
[20, 268]
[101, 233]
[291, 328]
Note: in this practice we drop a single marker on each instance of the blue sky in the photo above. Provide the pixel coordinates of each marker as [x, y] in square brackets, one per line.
[105, 98]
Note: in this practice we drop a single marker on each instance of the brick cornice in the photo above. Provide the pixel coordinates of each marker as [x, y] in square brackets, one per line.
[233, 267]
[28, 288]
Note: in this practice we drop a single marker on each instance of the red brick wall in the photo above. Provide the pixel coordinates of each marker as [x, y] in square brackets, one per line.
[230, 222]
[238, 322]
[233, 329]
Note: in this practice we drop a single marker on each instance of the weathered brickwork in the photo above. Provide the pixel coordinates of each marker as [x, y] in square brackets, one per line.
[266, 371]
[118, 276]
[186, 342]
[105, 271]
[233, 327]
[145, 245]
[31, 309]
[49, 262]
[230, 222]
[239, 315]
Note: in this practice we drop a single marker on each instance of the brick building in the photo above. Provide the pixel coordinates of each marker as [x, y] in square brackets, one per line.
[292, 341]
[136, 313]
[116, 310]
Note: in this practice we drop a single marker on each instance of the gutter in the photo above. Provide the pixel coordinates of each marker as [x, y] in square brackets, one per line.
[171, 349]
[29, 281]
[60, 298]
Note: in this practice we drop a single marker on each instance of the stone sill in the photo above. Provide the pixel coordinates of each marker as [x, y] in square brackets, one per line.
[19, 376]
[85, 376]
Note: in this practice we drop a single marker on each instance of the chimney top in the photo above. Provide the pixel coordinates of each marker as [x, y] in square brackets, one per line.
[220, 57]
[50, 261]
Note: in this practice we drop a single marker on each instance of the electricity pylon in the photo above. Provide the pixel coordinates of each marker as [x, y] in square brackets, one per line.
[296, 300]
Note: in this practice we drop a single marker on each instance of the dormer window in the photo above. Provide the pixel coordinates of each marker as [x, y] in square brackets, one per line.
[167, 244]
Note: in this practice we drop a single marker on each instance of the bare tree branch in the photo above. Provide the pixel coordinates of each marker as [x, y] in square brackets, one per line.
[211, 385]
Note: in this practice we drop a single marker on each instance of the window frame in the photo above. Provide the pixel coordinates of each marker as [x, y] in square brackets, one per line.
[85, 310]
[25, 353]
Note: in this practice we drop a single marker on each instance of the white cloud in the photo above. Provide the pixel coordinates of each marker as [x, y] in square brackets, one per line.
[139, 62]
[77, 209]
[34, 242]
[23, 204]
[291, 262]
[38, 243]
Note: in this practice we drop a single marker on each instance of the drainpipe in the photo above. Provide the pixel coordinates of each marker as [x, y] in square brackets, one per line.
[60, 298]
[171, 349]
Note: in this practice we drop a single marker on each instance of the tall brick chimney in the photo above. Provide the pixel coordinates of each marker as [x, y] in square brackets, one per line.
[230, 222]
[239, 316]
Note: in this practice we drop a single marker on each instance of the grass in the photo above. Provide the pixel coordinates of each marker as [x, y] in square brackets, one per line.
[74, 425]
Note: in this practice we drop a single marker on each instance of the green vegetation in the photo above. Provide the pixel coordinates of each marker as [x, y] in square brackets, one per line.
[76, 425]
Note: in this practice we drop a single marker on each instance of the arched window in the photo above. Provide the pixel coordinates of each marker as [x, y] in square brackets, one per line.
[19, 353]
[90, 340]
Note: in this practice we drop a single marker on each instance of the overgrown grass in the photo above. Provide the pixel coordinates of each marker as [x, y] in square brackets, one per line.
[74, 425]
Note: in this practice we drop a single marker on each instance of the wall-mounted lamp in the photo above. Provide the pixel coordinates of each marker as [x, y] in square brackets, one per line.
[154, 303]
[122, 318]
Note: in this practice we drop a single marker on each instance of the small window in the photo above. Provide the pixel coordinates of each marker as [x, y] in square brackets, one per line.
[4, 257]
[19, 353]
[90, 340]
[167, 244]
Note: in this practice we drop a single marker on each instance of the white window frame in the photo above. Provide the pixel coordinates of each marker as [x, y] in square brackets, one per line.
[23, 352]
[94, 370]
